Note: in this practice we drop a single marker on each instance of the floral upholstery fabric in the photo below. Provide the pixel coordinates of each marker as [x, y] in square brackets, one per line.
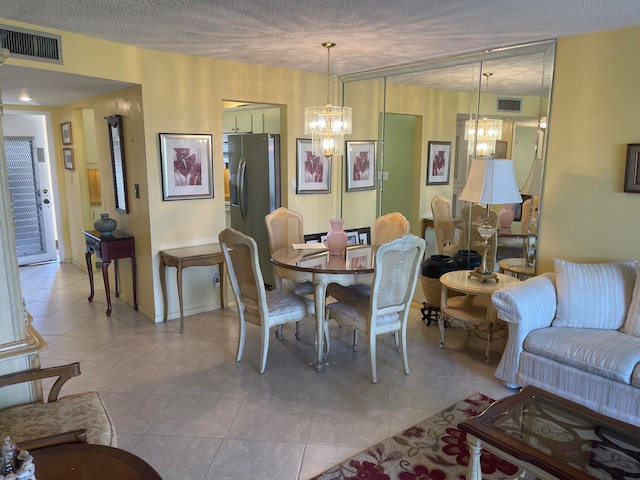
[72, 412]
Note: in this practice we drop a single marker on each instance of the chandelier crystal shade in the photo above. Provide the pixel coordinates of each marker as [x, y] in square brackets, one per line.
[483, 132]
[327, 124]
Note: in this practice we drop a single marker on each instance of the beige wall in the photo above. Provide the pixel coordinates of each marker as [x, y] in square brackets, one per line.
[586, 216]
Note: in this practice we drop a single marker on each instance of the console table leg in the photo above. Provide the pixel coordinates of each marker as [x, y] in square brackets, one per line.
[107, 290]
[474, 471]
[90, 270]
[163, 286]
[115, 269]
[179, 276]
[135, 285]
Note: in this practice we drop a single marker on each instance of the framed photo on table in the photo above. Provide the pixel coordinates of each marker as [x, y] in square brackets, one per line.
[313, 172]
[439, 165]
[358, 257]
[187, 166]
[361, 165]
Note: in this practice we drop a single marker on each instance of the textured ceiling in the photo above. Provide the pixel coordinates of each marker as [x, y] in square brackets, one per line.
[370, 34]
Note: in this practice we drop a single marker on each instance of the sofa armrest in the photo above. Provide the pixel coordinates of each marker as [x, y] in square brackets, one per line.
[63, 372]
[525, 306]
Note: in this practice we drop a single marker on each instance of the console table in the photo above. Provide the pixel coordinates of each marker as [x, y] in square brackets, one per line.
[195, 256]
[112, 247]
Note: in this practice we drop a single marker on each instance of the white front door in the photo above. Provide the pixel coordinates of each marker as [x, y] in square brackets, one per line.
[32, 201]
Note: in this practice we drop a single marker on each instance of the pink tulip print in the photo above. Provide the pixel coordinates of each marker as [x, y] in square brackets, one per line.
[437, 168]
[313, 168]
[362, 166]
[187, 168]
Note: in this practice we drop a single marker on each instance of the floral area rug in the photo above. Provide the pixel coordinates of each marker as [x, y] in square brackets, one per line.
[434, 449]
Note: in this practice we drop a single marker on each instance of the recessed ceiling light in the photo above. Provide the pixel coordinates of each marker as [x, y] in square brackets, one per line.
[25, 98]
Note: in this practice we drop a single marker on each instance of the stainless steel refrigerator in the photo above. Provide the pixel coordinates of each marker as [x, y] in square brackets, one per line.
[254, 189]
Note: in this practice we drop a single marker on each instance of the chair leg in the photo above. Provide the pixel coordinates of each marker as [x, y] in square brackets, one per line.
[403, 343]
[264, 349]
[242, 336]
[355, 340]
[372, 356]
[395, 339]
[279, 332]
[327, 342]
[297, 330]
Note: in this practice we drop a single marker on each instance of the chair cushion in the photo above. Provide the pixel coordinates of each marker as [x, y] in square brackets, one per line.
[595, 295]
[608, 353]
[340, 292]
[355, 314]
[72, 412]
[281, 303]
[632, 323]
[304, 288]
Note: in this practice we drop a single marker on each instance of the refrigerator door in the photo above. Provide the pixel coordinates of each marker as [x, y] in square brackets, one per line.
[256, 190]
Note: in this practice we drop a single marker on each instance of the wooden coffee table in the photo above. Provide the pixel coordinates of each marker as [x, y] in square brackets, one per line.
[553, 438]
[80, 461]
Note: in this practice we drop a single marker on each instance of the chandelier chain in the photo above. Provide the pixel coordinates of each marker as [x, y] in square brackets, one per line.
[328, 46]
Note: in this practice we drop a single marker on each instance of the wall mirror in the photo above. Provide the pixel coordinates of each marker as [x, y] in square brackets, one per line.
[116, 145]
[407, 107]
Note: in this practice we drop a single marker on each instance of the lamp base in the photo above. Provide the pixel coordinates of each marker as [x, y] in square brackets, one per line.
[482, 276]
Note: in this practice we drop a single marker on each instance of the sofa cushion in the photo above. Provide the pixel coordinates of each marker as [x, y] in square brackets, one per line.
[608, 353]
[593, 295]
[632, 323]
[72, 412]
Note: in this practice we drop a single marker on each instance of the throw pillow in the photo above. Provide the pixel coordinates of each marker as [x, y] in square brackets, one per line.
[593, 295]
[632, 323]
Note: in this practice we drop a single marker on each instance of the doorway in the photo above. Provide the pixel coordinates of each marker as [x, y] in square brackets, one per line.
[31, 199]
[397, 179]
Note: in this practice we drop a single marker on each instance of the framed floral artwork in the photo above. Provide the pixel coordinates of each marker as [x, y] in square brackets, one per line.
[361, 165]
[65, 132]
[439, 164]
[632, 169]
[313, 172]
[68, 158]
[187, 166]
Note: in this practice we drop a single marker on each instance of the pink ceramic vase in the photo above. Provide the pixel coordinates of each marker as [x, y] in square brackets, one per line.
[506, 216]
[336, 238]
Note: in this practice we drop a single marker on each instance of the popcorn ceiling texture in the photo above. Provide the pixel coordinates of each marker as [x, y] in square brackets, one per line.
[287, 33]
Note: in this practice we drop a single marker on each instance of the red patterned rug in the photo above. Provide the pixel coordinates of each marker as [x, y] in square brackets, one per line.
[434, 449]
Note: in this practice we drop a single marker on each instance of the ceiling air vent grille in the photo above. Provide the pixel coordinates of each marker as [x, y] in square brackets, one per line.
[31, 45]
[509, 105]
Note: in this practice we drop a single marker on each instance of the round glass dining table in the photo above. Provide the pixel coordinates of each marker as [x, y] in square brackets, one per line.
[309, 263]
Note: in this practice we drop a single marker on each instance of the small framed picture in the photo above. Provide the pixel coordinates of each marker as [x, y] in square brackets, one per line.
[187, 166]
[358, 257]
[439, 164]
[317, 261]
[313, 172]
[361, 165]
[68, 158]
[65, 130]
[632, 169]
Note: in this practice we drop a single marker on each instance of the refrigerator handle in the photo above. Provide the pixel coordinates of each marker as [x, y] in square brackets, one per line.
[241, 175]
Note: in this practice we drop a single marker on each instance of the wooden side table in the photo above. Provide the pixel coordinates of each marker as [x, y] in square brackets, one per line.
[473, 309]
[112, 247]
[183, 257]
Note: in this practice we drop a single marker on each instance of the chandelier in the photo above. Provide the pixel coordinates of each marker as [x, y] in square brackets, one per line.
[488, 130]
[327, 124]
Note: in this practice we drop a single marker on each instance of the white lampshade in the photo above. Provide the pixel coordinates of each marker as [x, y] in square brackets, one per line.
[491, 182]
[533, 184]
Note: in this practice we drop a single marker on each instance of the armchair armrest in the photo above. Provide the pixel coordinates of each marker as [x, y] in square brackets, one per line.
[526, 306]
[73, 436]
[63, 372]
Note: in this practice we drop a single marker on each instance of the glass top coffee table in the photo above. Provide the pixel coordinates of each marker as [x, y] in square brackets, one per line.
[553, 438]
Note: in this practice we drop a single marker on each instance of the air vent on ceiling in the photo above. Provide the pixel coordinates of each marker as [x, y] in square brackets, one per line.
[31, 44]
[509, 105]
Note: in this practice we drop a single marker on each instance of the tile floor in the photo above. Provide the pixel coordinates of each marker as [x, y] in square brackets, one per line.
[183, 403]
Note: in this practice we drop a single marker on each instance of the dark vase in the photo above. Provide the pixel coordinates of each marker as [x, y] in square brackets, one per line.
[437, 265]
[105, 225]
[467, 259]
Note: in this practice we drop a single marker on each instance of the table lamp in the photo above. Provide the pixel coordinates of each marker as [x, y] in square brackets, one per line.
[491, 182]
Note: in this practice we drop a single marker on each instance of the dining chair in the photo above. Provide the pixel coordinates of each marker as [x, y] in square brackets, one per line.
[284, 227]
[528, 215]
[387, 227]
[265, 308]
[386, 310]
[443, 225]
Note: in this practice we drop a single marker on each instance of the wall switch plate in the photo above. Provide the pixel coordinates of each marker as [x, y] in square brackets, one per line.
[215, 276]
[136, 190]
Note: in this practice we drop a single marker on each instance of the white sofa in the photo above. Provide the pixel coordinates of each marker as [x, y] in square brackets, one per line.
[576, 333]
